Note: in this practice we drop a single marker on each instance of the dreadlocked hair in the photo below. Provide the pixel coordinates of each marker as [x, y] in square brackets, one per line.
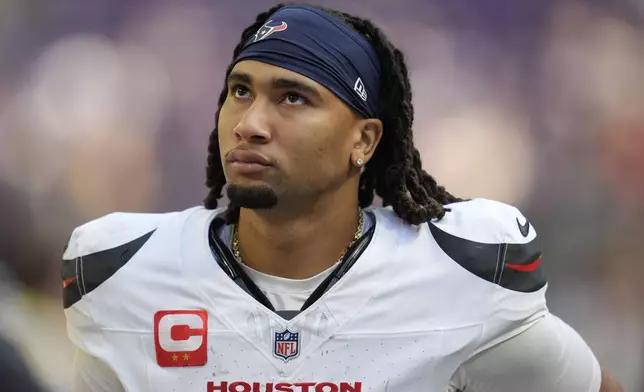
[395, 171]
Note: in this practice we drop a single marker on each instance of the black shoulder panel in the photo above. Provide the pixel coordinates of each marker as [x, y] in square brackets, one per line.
[515, 267]
[85, 273]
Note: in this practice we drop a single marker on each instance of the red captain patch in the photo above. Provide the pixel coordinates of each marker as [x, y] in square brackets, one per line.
[181, 337]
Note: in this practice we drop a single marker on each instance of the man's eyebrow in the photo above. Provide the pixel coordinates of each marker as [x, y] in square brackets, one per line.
[279, 83]
[239, 77]
[285, 83]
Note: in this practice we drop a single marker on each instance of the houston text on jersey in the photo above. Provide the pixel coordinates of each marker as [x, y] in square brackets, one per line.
[241, 386]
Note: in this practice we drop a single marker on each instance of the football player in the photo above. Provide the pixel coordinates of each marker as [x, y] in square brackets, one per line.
[299, 284]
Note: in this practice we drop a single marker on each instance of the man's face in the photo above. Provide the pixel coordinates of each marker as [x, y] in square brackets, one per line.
[283, 136]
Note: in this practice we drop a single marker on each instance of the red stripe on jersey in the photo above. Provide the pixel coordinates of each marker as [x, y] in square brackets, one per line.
[69, 281]
[525, 268]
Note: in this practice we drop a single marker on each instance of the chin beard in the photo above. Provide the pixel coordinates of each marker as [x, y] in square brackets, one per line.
[252, 197]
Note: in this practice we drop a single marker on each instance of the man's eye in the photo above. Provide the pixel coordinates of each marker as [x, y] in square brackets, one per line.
[295, 99]
[240, 92]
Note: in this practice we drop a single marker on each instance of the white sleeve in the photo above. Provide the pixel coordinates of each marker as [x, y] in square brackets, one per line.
[93, 375]
[549, 356]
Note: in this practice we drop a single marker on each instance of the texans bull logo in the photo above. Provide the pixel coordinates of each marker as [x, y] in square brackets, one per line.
[268, 29]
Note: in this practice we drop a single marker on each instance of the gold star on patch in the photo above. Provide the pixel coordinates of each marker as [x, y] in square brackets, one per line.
[186, 357]
[174, 357]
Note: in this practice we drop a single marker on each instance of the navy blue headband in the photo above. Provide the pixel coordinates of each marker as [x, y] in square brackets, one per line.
[317, 45]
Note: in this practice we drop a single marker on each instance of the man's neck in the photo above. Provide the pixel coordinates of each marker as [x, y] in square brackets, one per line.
[297, 245]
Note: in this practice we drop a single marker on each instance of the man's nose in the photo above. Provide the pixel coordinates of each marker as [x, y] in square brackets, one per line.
[254, 126]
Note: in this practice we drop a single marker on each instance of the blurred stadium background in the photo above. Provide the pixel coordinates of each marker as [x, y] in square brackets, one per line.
[107, 105]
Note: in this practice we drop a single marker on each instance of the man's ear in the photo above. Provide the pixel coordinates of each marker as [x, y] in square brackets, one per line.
[368, 135]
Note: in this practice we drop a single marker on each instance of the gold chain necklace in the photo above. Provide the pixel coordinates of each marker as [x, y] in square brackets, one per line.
[356, 237]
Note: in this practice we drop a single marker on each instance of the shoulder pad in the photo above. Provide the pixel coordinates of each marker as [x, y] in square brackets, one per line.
[97, 249]
[493, 241]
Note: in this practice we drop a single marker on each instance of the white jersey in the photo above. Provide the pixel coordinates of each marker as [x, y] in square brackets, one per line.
[150, 298]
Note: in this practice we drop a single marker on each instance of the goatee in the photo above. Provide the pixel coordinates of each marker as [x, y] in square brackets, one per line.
[252, 197]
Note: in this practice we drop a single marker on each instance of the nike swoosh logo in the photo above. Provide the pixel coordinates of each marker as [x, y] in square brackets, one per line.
[525, 267]
[525, 228]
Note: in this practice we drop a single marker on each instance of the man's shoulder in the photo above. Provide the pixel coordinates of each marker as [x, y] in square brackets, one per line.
[99, 248]
[479, 220]
[486, 221]
[492, 240]
[112, 230]
[482, 257]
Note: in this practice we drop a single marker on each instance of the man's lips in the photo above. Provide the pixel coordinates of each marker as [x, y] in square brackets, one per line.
[247, 157]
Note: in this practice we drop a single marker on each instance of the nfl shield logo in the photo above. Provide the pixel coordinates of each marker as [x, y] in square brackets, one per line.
[286, 345]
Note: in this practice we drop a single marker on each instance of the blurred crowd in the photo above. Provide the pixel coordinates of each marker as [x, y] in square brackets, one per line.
[107, 106]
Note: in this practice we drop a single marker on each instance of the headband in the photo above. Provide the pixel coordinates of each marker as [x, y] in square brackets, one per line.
[313, 43]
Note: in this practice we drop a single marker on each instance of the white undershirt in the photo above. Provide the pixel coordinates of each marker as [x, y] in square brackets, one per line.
[284, 293]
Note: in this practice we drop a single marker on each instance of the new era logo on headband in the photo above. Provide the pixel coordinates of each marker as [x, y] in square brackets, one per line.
[267, 30]
[360, 89]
